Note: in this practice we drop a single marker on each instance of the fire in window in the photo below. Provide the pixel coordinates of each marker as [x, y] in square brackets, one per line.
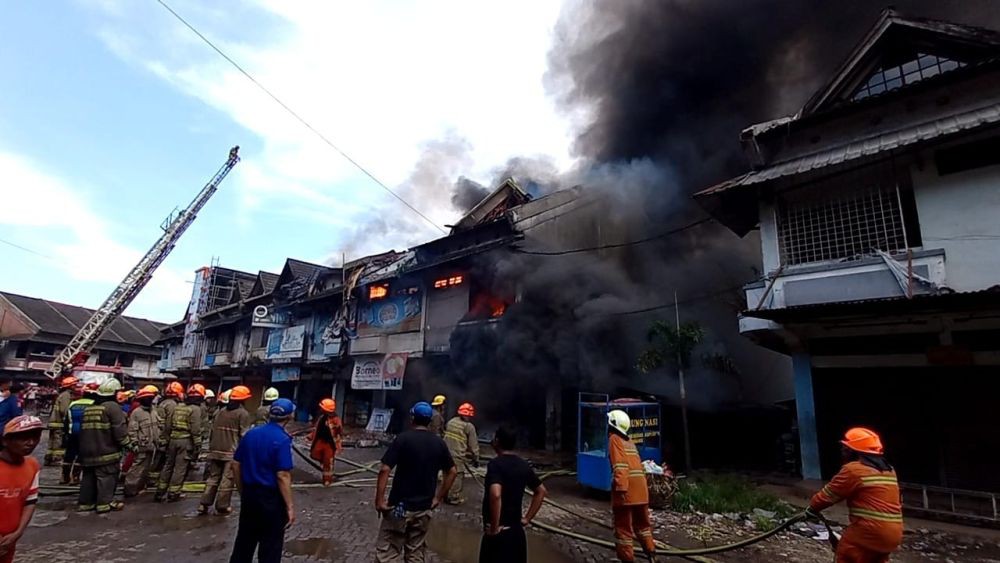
[449, 282]
[376, 292]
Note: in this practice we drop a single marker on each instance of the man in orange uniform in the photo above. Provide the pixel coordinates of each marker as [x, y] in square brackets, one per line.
[327, 439]
[629, 495]
[868, 483]
[18, 481]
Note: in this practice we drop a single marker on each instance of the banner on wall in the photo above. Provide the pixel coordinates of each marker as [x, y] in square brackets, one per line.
[380, 373]
[286, 343]
[398, 313]
[326, 337]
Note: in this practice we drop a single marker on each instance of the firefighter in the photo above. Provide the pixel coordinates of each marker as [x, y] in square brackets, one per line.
[229, 427]
[439, 404]
[143, 433]
[868, 484]
[172, 395]
[184, 445]
[263, 411]
[71, 439]
[103, 436]
[629, 495]
[57, 422]
[327, 439]
[463, 442]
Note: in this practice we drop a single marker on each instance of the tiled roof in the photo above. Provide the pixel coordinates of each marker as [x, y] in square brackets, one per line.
[62, 319]
[304, 270]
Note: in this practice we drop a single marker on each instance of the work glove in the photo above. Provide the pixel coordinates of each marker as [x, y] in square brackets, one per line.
[812, 514]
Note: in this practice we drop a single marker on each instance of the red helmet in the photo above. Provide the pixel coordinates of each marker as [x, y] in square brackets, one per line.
[863, 440]
[174, 389]
[196, 390]
[466, 409]
[329, 406]
[240, 393]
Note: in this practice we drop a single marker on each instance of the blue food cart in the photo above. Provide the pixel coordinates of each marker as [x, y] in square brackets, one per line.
[593, 469]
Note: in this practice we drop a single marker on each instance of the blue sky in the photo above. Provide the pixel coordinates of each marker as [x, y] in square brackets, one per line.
[113, 114]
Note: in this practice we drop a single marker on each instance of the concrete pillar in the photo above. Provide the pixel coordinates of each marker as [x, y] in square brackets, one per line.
[805, 406]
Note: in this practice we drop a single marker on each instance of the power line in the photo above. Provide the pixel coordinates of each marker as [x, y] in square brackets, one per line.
[298, 117]
[617, 245]
[26, 249]
[671, 304]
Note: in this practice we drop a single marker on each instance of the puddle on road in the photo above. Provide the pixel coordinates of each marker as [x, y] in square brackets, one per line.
[321, 549]
[461, 545]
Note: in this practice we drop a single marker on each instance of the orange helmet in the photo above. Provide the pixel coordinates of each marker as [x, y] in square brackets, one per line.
[863, 440]
[147, 391]
[466, 409]
[196, 390]
[329, 406]
[68, 381]
[175, 389]
[240, 393]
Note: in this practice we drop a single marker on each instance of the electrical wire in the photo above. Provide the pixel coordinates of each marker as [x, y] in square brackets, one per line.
[299, 118]
[617, 245]
[26, 249]
[671, 304]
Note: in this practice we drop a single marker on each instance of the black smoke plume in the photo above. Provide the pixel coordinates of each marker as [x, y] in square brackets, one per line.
[667, 87]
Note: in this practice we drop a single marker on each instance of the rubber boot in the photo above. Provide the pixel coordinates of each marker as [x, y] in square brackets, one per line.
[159, 496]
[174, 497]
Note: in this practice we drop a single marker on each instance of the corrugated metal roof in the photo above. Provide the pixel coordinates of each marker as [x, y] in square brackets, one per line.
[866, 147]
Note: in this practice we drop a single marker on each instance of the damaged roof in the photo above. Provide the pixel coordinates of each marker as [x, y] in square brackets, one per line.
[60, 319]
[507, 196]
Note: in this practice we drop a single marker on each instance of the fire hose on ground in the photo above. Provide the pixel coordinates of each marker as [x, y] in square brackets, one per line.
[661, 547]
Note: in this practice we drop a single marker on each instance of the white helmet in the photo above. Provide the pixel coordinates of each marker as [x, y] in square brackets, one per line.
[209, 394]
[224, 396]
[618, 420]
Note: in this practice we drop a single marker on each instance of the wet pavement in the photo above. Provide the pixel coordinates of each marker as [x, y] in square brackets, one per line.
[336, 524]
[339, 524]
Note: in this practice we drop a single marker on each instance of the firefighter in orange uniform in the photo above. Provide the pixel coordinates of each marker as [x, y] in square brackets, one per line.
[629, 495]
[327, 438]
[868, 483]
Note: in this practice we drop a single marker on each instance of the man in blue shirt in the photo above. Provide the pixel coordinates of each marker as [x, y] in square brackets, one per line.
[262, 466]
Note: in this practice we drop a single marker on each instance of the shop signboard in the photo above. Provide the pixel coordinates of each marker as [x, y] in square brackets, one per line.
[396, 313]
[286, 343]
[379, 373]
[269, 317]
[285, 373]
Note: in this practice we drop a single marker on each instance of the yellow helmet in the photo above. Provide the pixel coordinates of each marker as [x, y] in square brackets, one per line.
[438, 400]
[620, 421]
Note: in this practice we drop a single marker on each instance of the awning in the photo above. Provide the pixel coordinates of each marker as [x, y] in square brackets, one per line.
[987, 299]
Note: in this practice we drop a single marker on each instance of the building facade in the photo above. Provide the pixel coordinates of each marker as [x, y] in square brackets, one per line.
[877, 207]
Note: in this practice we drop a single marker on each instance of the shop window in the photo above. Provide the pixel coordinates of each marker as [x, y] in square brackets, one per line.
[21, 351]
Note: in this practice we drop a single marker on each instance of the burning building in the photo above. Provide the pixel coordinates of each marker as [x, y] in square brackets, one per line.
[876, 204]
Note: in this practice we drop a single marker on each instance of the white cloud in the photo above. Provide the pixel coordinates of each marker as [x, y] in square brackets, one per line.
[63, 227]
[379, 78]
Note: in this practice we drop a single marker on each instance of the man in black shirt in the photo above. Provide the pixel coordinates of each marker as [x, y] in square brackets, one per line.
[417, 455]
[507, 476]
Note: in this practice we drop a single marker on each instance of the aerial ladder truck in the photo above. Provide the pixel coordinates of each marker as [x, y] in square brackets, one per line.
[75, 354]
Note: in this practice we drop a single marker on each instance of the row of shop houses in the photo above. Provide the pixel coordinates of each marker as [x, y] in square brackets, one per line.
[373, 333]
